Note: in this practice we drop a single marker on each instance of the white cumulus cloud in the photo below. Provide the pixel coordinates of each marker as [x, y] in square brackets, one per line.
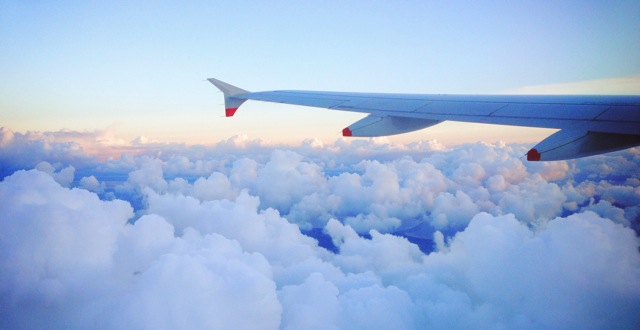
[362, 234]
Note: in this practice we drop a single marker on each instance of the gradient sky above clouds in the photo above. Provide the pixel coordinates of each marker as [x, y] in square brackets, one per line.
[140, 67]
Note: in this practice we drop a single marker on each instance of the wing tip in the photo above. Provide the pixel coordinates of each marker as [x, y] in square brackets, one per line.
[232, 101]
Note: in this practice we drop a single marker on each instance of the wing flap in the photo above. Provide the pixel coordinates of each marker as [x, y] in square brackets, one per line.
[550, 111]
[621, 113]
[461, 108]
[382, 104]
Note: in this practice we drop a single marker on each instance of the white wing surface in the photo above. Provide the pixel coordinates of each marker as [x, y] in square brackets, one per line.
[588, 124]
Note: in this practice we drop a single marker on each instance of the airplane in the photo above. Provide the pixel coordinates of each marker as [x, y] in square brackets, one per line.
[589, 124]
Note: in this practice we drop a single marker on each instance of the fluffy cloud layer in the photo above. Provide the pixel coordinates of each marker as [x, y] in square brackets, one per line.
[210, 237]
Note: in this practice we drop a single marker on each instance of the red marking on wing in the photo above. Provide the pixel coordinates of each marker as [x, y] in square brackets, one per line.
[347, 132]
[230, 111]
[533, 155]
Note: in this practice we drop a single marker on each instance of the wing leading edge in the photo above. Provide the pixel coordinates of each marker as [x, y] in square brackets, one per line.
[589, 125]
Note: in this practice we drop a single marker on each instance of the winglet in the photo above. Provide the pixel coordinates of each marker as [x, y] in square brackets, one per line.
[232, 96]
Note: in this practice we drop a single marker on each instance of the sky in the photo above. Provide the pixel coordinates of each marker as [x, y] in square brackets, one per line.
[141, 67]
[127, 200]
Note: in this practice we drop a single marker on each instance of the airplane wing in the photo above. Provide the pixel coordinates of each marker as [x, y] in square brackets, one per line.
[589, 124]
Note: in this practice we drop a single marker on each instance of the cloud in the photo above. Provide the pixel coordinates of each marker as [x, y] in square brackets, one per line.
[57, 249]
[25, 151]
[72, 254]
[453, 210]
[432, 187]
[516, 274]
[91, 183]
[202, 282]
[64, 176]
[213, 236]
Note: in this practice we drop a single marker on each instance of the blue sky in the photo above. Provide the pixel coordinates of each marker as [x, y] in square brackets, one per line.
[140, 66]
